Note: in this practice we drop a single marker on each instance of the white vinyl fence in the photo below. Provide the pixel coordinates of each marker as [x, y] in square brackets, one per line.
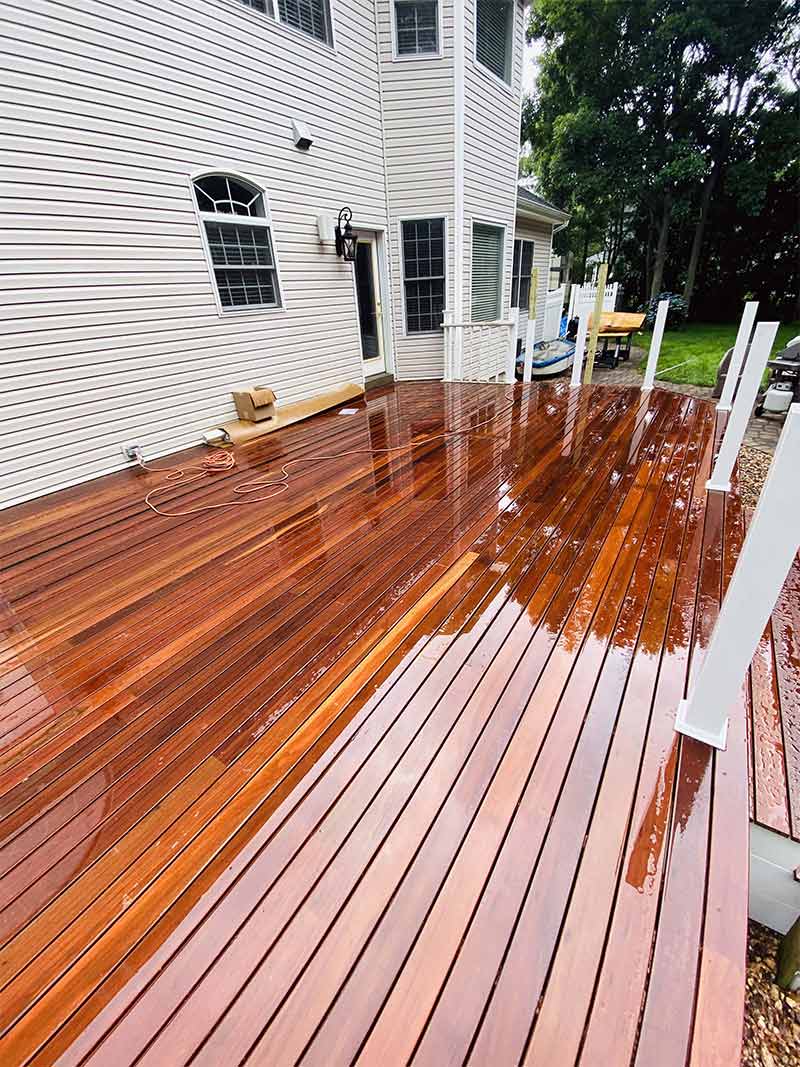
[553, 310]
[582, 297]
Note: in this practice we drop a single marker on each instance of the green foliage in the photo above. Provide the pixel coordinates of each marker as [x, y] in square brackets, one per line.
[676, 314]
[660, 113]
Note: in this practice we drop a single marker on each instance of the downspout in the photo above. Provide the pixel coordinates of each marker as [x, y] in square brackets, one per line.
[458, 187]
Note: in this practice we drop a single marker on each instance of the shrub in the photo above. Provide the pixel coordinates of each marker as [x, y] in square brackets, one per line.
[676, 316]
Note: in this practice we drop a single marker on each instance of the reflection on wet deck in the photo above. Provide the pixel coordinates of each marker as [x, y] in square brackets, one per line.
[382, 770]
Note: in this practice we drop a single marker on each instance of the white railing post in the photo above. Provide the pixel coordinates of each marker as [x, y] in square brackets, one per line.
[447, 323]
[763, 339]
[655, 345]
[511, 349]
[580, 345]
[767, 554]
[737, 356]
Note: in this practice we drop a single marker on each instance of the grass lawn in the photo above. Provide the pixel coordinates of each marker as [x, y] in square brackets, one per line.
[699, 347]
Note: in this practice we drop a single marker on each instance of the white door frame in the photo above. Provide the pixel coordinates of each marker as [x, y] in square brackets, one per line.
[384, 364]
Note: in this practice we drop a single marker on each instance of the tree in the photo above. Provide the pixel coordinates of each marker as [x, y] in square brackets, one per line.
[639, 113]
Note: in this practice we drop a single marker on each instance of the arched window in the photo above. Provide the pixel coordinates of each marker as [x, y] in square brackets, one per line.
[239, 241]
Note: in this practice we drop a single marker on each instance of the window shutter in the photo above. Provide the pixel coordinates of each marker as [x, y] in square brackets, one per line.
[492, 36]
[487, 272]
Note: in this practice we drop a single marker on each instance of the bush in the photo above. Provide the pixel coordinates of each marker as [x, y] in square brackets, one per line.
[676, 316]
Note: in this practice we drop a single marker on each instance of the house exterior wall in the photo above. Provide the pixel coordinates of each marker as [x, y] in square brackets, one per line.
[418, 119]
[111, 331]
[541, 233]
[491, 147]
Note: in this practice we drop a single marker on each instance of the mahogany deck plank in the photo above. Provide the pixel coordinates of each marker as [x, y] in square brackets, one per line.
[381, 770]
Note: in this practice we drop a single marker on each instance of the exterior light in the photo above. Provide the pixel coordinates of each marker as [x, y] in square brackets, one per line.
[346, 240]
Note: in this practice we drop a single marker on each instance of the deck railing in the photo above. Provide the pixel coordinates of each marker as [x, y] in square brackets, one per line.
[479, 351]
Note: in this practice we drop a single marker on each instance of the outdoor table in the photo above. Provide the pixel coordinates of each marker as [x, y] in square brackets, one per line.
[618, 326]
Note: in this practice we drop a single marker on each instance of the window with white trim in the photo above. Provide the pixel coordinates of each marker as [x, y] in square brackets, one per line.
[487, 272]
[239, 241]
[309, 16]
[423, 274]
[494, 26]
[416, 27]
[521, 274]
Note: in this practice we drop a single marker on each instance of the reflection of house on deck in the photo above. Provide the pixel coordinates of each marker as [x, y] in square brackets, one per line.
[382, 768]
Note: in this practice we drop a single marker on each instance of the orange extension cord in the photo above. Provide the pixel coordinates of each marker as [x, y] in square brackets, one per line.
[223, 460]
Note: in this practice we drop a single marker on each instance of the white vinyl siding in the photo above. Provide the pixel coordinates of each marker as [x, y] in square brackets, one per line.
[491, 146]
[418, 120]
[493, 42]
[111, 329]
[487, 272]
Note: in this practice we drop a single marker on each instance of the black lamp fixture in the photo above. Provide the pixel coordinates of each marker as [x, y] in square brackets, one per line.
[346, 240]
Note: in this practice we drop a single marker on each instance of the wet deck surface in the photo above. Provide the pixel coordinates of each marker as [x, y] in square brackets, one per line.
[775, 703]
[382, 770]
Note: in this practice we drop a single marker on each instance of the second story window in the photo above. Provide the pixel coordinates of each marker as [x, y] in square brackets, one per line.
[311, 16]
[239, 242]
[416, 27]
[494, 26]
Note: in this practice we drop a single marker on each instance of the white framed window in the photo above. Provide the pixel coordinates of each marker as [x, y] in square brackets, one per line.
[521, 274]
[487, 271]
[417, 31]
[423, 249]
[494, 36]
[312, 17]
[237, 235]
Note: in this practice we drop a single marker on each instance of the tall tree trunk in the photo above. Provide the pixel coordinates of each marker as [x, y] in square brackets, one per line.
[585, 255]
[568, 271]
[699, 230]
[661, 248]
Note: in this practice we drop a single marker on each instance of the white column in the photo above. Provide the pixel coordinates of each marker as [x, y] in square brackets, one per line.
[763, 340]
[655, 344]
[737, 356]
[580, 345]
[511, 352]
[767, 554]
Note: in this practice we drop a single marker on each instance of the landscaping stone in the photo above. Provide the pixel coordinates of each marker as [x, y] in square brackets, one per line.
[772, 1016]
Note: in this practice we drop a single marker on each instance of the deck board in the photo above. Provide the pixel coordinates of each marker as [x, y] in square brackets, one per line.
[382, 769]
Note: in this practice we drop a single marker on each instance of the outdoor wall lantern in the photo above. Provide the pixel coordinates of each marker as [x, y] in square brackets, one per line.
[345, 238]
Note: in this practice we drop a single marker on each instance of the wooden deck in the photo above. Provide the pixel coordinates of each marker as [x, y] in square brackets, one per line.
[382, 770]
[775, 702]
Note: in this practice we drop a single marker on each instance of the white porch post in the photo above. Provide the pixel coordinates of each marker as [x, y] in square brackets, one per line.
[511, 351]
[447, 322]
[580, 345]
[655, 345]
[763, 339]
[739, 349]
[767, 554]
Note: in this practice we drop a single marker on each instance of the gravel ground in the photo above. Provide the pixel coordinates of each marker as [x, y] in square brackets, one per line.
[771, 1016]
[753, 467]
